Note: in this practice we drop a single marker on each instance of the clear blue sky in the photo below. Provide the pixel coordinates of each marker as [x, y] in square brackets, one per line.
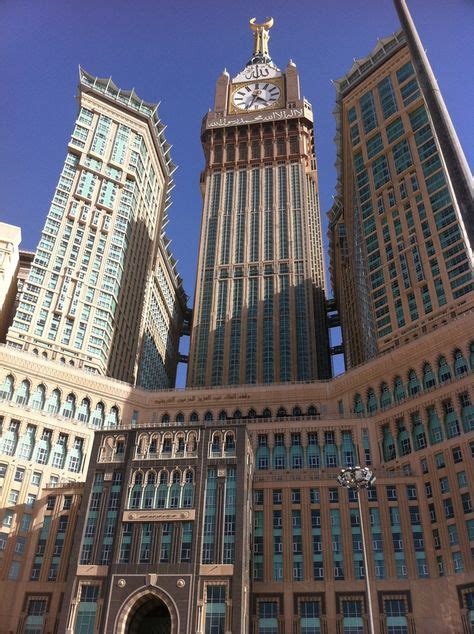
[173, 52]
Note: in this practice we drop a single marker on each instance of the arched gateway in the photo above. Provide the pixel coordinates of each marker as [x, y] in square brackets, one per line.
[148, 611]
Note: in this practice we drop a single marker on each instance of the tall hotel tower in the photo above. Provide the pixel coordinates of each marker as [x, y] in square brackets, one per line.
[103, 293]
[259, 313]
[400, 225]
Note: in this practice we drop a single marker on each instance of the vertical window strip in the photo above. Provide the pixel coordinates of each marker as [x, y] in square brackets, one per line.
[227, 218]
[234, 356]
[254, 216]
[268, 353]
[251, 344]
[282, 197]
[268, 242]
[240, 221]
[296, 204]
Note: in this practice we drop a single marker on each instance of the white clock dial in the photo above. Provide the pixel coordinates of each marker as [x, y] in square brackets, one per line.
[256, 96]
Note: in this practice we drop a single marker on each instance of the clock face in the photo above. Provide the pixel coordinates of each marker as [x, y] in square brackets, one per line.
[256, 96]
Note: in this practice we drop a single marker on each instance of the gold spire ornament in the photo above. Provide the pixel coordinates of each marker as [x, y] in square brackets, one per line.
[261, 36]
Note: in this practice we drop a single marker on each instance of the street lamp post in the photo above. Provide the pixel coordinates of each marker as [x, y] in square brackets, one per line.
[358, 478]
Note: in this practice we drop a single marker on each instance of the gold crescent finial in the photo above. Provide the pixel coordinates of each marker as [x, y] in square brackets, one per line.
[261, 37]
[265, 25]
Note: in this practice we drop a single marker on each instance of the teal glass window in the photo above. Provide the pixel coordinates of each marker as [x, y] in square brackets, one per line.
[387, 97]
[395, 130]
[368, 114]
[87, 610]
[374, 145]
[380, 171]
[410, 91]
[405, 72]
[402, 156]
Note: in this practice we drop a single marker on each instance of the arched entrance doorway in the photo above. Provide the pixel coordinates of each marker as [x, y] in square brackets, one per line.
[149, 616]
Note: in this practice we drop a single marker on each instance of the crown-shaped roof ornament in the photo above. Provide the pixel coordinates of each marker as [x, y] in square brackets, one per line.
[261, 36]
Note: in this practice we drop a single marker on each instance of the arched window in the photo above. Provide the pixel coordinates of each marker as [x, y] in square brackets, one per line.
[43, 447]
[297, 411]
[281, 412]
[180, 417]
[403, 438]
[27, 442]
[165, 418]
[188, 489]
[418, 432]
[194, 418]
[388, 444]
[175, 490]
[429, 378]
[451, 422]
[216, 444]
[38, 397]
[180, 444]
[460, 363]
[75, 456]
[371, 401]
[267, 413]
[162, 494]
[444, 371]
[167, 443]
[22, 394]
[467, 412]
[112, 419]
[192, 443]
[208, 416]
[149, 492]
[54, 402]
[223, 415]
[252, 414]
[229, 446]
[84, 411]
[434, 426]
[69, 406]
[385, 396]
[358, 404]
[348, 452]
[237, 414]
[98, 415]
[6, 391]
[136, 491]
[413, 383]
[312, 411]
[399, 393]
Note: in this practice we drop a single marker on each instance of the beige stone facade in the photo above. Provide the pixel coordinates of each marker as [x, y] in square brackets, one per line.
[10, 238]
[423, 473]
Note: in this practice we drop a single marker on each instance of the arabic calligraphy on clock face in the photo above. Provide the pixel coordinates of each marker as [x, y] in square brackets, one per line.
[256, 96]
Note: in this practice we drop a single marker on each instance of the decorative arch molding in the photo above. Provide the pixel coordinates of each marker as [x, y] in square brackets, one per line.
[139, 598]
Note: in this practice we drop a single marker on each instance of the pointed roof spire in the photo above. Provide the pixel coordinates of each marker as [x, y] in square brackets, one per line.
[261, 36]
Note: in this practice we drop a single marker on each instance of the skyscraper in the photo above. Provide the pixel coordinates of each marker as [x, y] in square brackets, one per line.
[217, 508]
[401, 262]
[259, 314]
[103, 293]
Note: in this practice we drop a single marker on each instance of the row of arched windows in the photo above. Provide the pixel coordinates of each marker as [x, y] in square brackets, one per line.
[169, 444]
[429, 429]
[281, 412]
[54, 403]
[400, 389]
[161, 490]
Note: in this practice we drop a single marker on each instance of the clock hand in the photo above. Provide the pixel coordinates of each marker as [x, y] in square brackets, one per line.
[254, 97]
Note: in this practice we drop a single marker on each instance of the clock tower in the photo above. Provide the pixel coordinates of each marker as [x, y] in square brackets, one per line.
[259, 314]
